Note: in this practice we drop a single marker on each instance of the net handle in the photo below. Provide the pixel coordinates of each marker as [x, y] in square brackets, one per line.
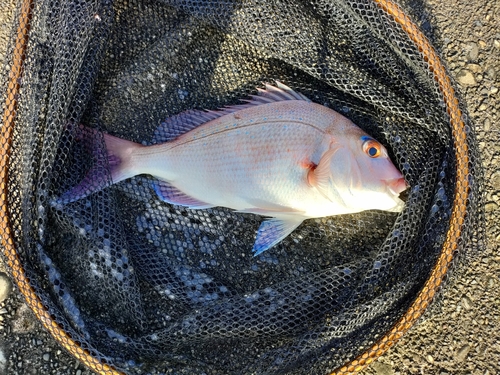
[459, 136]
[8, 248]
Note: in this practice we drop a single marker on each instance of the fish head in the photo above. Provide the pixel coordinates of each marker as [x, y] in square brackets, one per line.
[364, 176]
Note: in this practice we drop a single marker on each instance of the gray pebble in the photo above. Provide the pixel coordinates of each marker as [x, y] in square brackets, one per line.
[482, 107]
[5, 286]
[466, 303]
[495, 180]
[465, 77]
[491, 73]
[462, 353]
[474, 68]
[491, 283]
[46, 357]
[382, 368]
[490, 206]
[473, 52]
[3, 359]
[487, 125]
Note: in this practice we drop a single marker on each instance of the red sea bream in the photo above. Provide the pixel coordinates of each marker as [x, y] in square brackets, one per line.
[278, 155]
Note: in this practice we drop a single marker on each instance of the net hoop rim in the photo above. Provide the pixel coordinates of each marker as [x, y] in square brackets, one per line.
[414, 312]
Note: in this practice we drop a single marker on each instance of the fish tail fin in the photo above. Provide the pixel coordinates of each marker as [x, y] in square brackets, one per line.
[110, 166]
[120, 152]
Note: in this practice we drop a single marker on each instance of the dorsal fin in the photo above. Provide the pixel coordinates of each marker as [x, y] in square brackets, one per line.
[179, 124]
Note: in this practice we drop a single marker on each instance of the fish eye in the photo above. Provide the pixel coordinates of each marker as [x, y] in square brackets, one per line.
[372, 148]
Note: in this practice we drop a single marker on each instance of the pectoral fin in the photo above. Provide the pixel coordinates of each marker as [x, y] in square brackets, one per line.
[273, 231]
[320, 176]
[343, 176]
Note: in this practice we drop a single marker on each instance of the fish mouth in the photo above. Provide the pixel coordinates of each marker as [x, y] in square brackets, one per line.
[396, 185]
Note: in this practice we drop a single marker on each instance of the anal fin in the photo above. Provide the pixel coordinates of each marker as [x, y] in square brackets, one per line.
[172, 195]
[273, 231]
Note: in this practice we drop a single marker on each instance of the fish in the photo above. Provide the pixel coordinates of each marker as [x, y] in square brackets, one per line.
[278, 155]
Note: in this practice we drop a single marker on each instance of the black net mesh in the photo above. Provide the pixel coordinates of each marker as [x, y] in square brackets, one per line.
[149, 287]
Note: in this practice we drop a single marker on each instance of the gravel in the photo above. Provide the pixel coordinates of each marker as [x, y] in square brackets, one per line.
[460, 334]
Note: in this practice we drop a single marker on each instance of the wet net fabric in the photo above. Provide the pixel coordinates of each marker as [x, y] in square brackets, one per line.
[148, 287]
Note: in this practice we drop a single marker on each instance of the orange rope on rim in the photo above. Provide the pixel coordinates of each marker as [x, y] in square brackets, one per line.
[457, 219]
[9, 250]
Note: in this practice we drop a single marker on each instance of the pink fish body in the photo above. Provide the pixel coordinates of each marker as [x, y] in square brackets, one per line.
[280, 155]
